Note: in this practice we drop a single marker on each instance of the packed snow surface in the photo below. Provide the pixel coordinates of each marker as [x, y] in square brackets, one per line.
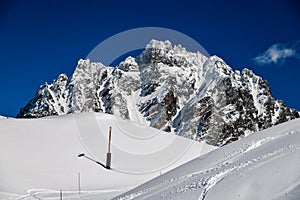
[39, 157]
[264, 165]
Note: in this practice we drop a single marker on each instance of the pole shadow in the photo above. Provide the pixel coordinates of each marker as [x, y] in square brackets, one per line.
[95, 161]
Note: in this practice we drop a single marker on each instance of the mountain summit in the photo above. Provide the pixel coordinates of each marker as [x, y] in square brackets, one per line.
[168, 88]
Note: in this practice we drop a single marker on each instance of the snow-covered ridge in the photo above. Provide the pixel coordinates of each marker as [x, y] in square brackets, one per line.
[171, 89]
[3, 117]
[262, 166]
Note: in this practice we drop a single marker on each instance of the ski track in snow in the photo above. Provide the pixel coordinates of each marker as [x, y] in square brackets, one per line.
[203, 177]
[46, 194]
[203, 181]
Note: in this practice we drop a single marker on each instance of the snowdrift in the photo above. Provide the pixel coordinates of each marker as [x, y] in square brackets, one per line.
[42, 153]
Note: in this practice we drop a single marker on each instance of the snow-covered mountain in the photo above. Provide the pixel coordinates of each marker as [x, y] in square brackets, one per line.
[167, 88]
[3, 117]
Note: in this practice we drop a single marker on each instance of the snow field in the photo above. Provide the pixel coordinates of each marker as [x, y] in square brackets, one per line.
[42, 153]
[264, 165]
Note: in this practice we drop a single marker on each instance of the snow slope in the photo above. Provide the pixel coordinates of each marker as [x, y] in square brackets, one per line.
[42, 154]
[264, 165]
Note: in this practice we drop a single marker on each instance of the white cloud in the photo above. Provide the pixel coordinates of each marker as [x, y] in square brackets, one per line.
[277, 53]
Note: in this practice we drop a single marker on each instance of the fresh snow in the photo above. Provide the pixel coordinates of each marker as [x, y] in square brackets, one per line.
[42, 154]
[39, 158]
[264, 165]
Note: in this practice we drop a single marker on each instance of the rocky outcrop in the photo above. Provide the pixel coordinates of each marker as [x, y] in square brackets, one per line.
[170, 89]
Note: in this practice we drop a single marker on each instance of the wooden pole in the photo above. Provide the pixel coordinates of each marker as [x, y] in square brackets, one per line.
[108, 155]
[79, 189]
[109, 139]
[60, 195]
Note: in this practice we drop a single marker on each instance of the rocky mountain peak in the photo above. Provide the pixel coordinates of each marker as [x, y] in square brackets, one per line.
[171, 89]
[129, 65]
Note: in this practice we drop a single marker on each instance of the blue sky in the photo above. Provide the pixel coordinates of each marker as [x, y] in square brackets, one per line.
[41, 39]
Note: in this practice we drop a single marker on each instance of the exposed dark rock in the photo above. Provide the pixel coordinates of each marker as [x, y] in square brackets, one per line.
[172, 90]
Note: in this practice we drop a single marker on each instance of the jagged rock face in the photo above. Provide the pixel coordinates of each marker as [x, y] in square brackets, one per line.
[63, 97]
[170, 89]
[84, 86]
[49, 100]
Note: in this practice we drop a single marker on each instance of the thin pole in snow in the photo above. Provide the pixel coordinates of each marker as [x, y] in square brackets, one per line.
[60, 195]
[79, 189]
[109, 139]
[108, 155]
